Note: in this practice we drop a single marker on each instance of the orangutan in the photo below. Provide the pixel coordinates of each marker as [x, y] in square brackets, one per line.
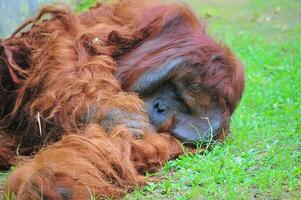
[108, 95]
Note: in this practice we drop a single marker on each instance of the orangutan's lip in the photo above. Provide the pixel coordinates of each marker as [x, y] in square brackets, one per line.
[203, 130]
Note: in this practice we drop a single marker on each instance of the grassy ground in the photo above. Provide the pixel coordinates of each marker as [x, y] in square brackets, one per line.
[262, 157]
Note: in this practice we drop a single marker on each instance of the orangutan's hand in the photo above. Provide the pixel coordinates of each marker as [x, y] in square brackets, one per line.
[137, 124]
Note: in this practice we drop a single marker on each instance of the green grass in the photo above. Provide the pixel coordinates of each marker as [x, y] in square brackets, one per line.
[3, 175]
[262, 157]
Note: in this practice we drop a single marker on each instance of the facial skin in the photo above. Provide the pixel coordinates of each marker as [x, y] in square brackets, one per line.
[172, 95]
[169, 112]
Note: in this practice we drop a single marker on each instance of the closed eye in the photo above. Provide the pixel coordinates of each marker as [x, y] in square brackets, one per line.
[182, 101]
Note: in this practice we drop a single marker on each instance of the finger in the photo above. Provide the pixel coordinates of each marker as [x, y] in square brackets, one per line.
[137, 133]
